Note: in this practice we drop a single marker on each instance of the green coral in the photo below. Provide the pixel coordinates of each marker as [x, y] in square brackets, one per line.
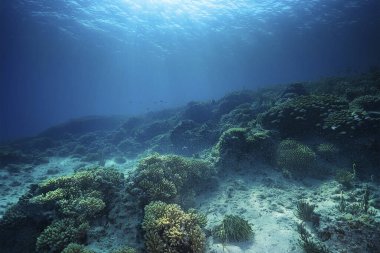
[295, 157]
[60, 234]
[169, 177]
[303, 114]
[92, 178]
[76, 248]
[169, 229]
[125, 249]
[366, 103]
[327, 151]
[351, 123]
[237, 144]
[189, 137]
[82, 194]
[233, 144]
[76, 200]
[345, 177]
[239, 117]
[85, 206]
[233, 229]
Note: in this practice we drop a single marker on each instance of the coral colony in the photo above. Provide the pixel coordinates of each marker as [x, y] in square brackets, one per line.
[206, 177]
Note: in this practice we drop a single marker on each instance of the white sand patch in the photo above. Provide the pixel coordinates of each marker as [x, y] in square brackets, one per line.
[263, 198]
[128, 166]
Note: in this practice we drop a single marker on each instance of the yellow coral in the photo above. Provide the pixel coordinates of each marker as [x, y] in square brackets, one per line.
[167, 177]
[170, 229]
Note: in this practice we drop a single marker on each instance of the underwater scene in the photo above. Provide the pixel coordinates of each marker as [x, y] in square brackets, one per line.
[189, 126]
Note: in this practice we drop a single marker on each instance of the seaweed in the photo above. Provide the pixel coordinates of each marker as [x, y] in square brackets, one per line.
[233, 229]
[305, 212]
[307, 243]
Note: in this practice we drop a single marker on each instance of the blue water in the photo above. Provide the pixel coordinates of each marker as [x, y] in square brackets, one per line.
[62, 59]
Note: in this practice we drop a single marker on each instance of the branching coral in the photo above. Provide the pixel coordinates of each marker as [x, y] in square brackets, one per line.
[233, 229]
[167, 177]
[61, 233]
[327, 151]
[169, 229]
[294, 157]
[346, 178]
[82, 194]
[236, 144]
[74, 200]
[303, 114]
[76, 248]
[233, 143]
[366, 103]
[125, 249]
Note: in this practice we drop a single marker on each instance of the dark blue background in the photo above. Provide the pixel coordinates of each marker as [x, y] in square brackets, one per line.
[48, 76]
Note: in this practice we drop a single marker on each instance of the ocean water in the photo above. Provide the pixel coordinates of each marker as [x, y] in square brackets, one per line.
[66, 59]
[189, 126]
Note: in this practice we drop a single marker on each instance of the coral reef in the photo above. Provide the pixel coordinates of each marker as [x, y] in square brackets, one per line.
[327, 151]
[125, 249]
[306, 129]
[82, 194]
[295, 157]
[59, 210]
[237, 144]
[366, 103]
[61, 233]
[189, 137]
[239, 117]
[302, 115]
[294, 90]
[76, 248]
[198, 112]
[346, 178]
[169, 229]
[233, 144]
[231, 101]
[169, 177]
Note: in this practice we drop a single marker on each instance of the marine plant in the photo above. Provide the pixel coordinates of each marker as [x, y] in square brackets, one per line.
[305, 212]
[76, 248]
[168, 228]
[307, 243]
[365, 200]
[169, 177]
[342, 205]
[233, 228]
[360, 208]
[295, 157]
